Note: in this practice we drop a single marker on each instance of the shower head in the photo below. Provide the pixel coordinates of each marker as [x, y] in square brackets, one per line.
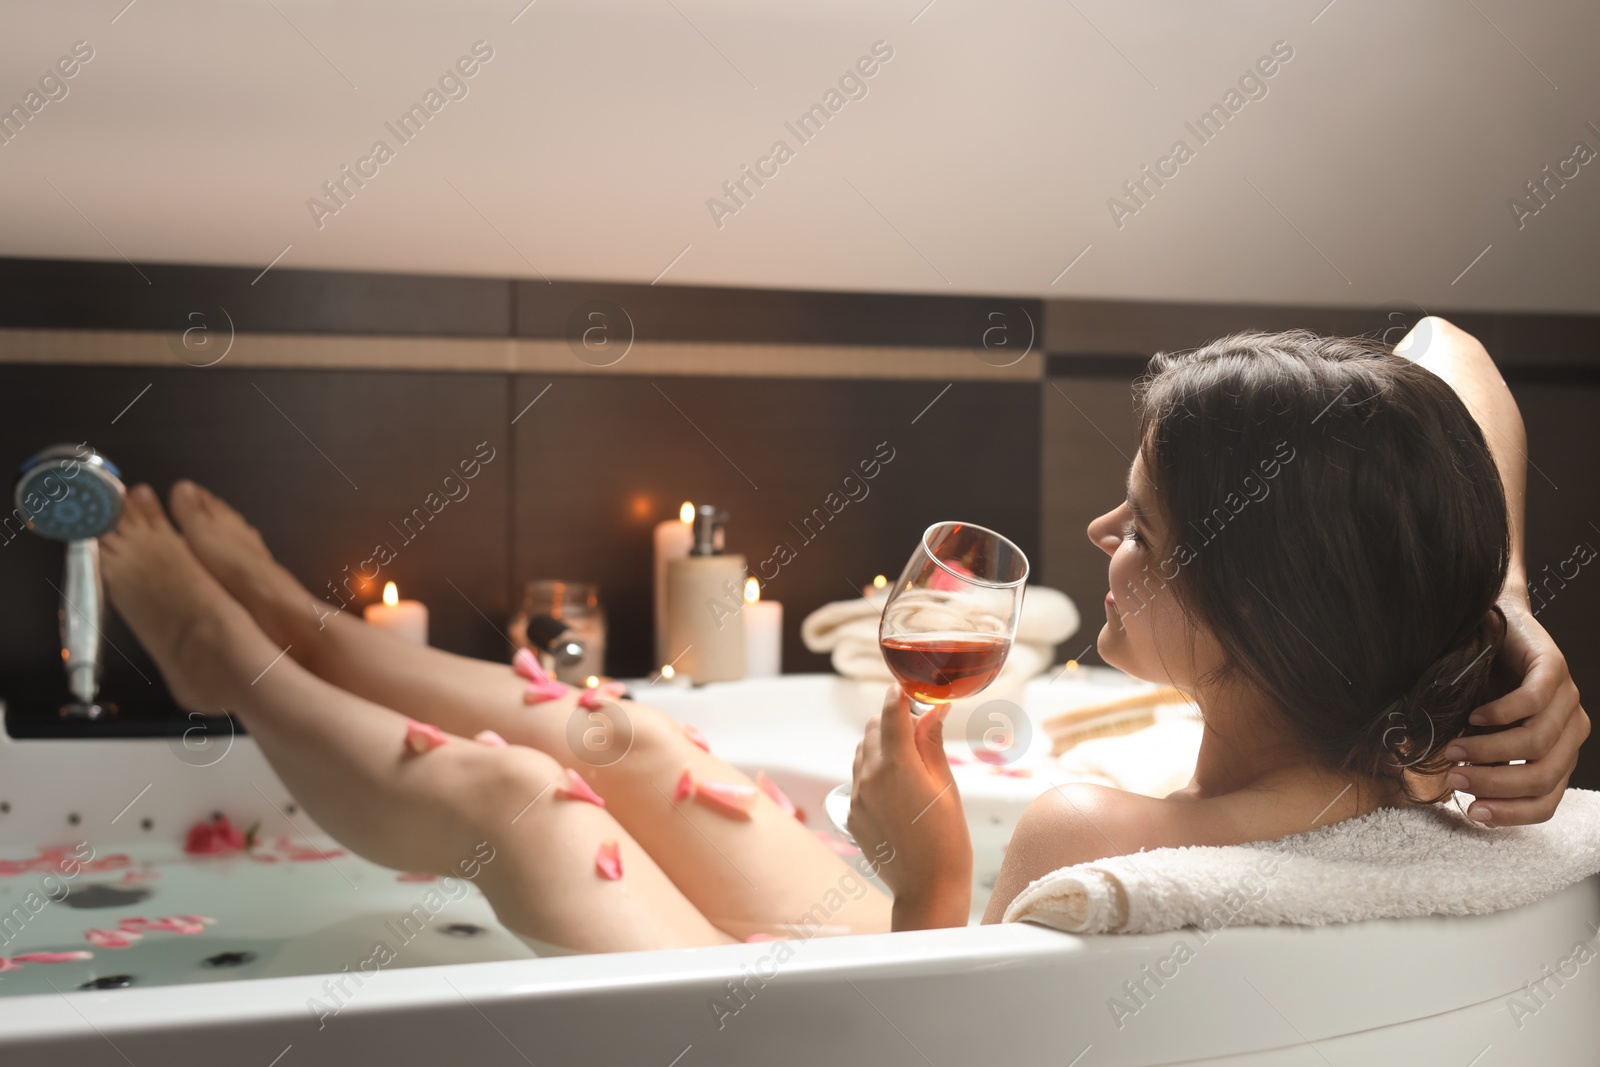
[70, 493]
[74, 494]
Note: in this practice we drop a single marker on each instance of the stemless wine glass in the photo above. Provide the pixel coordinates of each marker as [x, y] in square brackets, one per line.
[949, 622]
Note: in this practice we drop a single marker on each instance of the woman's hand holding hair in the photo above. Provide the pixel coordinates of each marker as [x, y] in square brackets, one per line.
[904, 796]
[1545, 724]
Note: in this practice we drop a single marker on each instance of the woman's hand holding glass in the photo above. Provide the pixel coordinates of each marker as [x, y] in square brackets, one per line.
[906, 811]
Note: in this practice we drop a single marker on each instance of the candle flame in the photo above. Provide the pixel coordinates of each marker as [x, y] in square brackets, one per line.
[667, 672]
[591, 681]
[391, 594]
[686, 513]
[752, 590]
[880, 582]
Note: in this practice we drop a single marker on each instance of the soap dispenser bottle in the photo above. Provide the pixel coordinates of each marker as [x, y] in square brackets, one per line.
[705, 595]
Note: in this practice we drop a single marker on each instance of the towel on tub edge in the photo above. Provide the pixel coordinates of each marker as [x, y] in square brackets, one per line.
[1392, 863]
[848, 629]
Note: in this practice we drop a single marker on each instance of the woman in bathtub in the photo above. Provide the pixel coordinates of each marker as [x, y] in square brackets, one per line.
[1337, 633]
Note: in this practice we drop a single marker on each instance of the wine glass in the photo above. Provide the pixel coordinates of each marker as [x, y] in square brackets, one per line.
[949, 622]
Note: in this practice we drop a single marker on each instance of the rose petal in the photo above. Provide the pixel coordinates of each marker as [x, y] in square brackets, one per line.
[133, 924]
[685, 786]
[1015, 772]
[726, 798]
[203, 920]
[594, 696]
[991, 756]
[50, 957]
[111, 938]
[779, 797]
[692, 732]
[578, 789]
[526, 664]
[9, 965]
[539, 692]
[608, 861]
[490, 738]
[423, 737]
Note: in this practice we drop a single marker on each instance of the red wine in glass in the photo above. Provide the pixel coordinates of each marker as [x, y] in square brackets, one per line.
[948, 624]
[937, 668]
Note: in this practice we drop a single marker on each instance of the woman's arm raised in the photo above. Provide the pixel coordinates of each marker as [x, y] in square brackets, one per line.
[1545, 722]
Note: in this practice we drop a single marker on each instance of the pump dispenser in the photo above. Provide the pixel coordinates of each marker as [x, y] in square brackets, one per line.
[705, 595]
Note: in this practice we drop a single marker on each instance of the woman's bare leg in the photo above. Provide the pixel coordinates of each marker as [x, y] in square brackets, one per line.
[747, 876]
[345, 761]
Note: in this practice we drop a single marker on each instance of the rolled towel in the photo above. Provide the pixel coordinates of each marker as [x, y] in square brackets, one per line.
[849, 630]
[1392, 863]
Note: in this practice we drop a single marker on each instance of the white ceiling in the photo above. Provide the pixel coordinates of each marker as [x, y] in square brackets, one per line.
[1377, 168]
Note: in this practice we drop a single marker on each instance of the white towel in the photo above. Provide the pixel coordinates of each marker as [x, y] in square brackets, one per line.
[1392, 863]
[849, 630]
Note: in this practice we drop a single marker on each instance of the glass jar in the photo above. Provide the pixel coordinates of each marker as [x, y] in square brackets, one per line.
[563, 622]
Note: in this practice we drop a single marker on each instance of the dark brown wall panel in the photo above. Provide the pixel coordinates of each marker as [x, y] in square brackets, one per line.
[321, 474]
[601, 460]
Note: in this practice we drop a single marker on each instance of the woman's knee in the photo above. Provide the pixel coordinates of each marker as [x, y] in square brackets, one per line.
[499, 783]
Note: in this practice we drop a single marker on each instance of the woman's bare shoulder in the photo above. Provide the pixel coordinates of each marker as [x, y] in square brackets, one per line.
[1079, 823]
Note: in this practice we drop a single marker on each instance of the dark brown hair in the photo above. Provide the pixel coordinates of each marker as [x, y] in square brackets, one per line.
[1355, 584]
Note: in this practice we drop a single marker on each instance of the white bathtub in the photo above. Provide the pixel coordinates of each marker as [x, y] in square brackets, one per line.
[1431, 991]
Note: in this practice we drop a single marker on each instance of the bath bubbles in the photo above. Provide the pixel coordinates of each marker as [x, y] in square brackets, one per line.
[600, 332]
[999, 732]
[200, 740]
[600, 736]
[1004, 333]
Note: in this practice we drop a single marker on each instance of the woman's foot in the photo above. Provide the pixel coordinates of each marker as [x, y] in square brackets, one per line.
[199, 636]
[235, 554]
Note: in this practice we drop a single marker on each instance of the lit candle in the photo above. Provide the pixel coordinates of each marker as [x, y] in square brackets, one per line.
[404, 618]
[763, 633]
[673, 539]
[879, 584]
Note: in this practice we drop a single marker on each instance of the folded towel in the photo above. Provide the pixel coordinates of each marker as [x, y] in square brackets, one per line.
[849, 630]
[1391, 863]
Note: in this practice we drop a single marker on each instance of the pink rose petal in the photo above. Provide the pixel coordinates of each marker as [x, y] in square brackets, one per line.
[692, 732]
[9, 965]
[111, 938]
[423, 737]
[490, 738]
[608, 861]
[685, 786]
[50, 957]
[779, 797]
[1015, 772]
[526, 664]
[202, 919]
[578, 789]
[726, 798]
[138, 877]
[594, 696]
[836, 844]
[539, 692]
[943, 582]
[992, 757]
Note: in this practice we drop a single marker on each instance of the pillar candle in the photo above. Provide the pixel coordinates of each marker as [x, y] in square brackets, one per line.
[763, 633]
[673, 539]
[406, 618]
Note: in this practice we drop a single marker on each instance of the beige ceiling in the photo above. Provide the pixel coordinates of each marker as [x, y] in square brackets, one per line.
[1378, 165]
